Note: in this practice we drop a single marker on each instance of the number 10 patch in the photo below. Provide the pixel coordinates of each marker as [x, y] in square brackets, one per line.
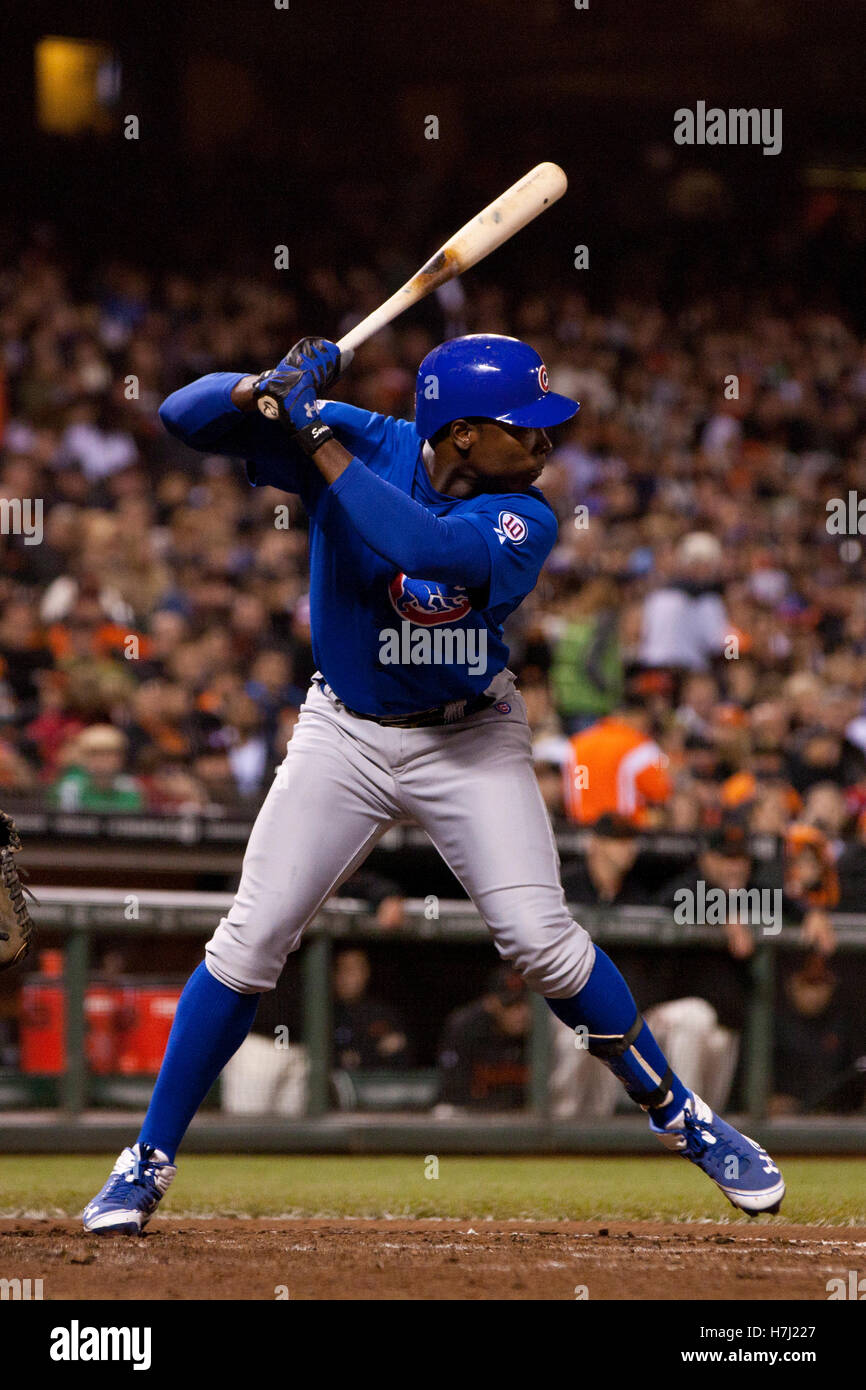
[511, 528]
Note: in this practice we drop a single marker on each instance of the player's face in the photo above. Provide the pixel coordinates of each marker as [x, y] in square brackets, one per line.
[497, 457]
[510, 458]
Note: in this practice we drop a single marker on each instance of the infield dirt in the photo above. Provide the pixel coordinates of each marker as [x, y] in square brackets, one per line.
[238, 1258]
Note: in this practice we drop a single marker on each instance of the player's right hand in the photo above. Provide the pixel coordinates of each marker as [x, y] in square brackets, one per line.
[318, 356]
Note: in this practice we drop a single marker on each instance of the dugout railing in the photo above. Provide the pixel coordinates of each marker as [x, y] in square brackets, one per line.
[80, 917]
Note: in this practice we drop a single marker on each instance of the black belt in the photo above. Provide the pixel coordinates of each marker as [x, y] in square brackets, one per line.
[451, 713]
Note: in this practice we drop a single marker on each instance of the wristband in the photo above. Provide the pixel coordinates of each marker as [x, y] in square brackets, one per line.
[313, 436]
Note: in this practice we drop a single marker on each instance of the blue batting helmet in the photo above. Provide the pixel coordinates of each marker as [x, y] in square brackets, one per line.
[487, 376]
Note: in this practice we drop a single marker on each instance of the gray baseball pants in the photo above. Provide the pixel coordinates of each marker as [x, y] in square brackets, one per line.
[471, 786]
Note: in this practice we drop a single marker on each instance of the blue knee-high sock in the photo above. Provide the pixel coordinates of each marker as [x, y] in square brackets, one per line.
[210, 1024]
[605, 1007]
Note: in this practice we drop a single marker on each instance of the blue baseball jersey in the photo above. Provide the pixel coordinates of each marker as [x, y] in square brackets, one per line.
[389, 643]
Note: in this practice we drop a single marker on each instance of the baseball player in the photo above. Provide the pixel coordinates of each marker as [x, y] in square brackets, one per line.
[424, 537]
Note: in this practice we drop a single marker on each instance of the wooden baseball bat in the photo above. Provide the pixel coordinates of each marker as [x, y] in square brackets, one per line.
[503, 217]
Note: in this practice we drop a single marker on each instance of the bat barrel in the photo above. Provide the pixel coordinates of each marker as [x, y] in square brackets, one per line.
[486, 231]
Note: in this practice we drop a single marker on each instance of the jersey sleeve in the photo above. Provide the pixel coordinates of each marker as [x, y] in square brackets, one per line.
[364, 433]
[203, 416]
[519, 530]
[354, 427]
[275, 461]
[407, 535]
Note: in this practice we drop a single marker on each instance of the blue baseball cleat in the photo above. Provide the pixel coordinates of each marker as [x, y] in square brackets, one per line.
[140, 1177]
[741, 1168]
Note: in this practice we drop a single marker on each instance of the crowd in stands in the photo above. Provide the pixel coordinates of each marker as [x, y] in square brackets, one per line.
[693, 659]
[700, 625]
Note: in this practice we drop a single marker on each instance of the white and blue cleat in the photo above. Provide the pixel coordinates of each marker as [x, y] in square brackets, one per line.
[737, 1165]
[139, 1179]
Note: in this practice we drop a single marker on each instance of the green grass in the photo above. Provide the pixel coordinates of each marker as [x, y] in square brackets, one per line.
[826, 1190]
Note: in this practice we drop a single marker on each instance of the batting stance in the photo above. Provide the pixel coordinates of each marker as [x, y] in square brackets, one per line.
[414, 528]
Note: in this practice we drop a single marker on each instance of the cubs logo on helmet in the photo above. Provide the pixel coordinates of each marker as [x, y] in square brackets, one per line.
[424, 602]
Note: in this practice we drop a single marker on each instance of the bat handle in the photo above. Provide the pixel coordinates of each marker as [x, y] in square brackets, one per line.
[346, 355]
[375, 321]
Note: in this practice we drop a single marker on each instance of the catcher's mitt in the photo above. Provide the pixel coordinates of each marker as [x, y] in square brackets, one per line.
[16, 924]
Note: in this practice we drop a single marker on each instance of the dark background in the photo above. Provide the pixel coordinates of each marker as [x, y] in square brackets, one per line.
[306, 126]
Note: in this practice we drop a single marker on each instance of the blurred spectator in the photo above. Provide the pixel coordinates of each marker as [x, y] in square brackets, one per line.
[549, 756]
[587, 672]
[725, 862]
[55, 725]
[24, 655]
[814, 1053]
[248, 750]
[94, 779]
[607, 874]
[685, 624]
[811, 885]
[172, 791]
[16, 774]
[368, 1033]
[826, 810]
[748, 894]
[483, 1053]
[382, 896]
[818, 754]
[615, 766]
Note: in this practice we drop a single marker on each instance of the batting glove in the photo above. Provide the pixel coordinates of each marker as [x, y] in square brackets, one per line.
[289, 393]
[319, 356]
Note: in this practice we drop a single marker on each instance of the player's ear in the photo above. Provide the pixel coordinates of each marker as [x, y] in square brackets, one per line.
[464, 433]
